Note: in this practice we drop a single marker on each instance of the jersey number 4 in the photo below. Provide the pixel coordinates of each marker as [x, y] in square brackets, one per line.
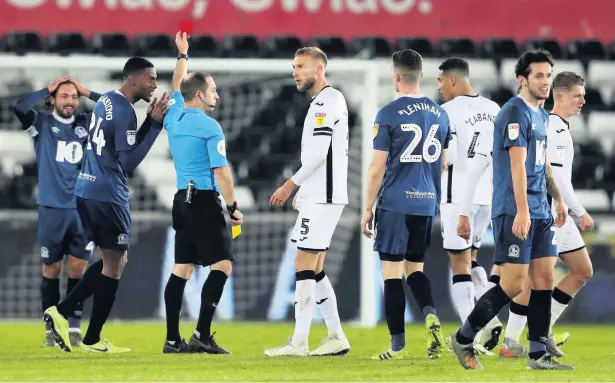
[98, 137]
[430, 141]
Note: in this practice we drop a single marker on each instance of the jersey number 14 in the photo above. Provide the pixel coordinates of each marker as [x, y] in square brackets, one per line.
[98, 137]
[430, 141]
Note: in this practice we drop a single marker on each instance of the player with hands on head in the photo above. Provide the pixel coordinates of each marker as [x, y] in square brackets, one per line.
[59, 141]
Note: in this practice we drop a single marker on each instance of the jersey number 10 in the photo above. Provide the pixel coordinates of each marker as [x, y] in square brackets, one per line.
[98, 137]
[430, 141]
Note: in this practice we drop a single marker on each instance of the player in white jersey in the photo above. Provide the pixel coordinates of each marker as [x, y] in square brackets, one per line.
[471, 117]
[321, 199]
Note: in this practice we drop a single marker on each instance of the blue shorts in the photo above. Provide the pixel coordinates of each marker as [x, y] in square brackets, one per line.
[540, 242]
[61, 233]
[400, 236]
[106, 224]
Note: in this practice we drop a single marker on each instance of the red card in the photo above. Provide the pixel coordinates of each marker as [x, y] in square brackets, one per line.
[186, 26]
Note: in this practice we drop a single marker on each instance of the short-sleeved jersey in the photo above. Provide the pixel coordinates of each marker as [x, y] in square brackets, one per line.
[413, 130]
[520, 124]
[58, 145]
[470, 117]
[326, 117]
[113, 129]
[197, 144]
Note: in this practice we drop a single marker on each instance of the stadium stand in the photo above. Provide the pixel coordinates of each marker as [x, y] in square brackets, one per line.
[264, 142]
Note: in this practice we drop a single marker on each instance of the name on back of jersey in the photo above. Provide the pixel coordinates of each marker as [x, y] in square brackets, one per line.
[419, 106]
[106, 101]
[480, 117]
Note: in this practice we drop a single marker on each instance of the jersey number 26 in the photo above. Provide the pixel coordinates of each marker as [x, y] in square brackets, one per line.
[98, 137]
[430, 141]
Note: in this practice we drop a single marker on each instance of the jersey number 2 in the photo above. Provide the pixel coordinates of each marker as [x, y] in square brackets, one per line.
[430, 141]
[98, 137]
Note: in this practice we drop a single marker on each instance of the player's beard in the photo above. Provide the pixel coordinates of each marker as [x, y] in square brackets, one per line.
[307, 84]
[535, 93]
[60, 112]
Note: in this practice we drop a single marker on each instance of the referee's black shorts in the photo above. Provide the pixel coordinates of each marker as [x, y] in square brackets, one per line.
[202, 236]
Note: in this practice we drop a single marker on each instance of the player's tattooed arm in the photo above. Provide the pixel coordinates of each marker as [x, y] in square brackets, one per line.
[552, 188]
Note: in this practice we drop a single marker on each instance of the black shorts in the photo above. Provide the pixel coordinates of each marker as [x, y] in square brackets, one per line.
[106, 224]
[202, 236]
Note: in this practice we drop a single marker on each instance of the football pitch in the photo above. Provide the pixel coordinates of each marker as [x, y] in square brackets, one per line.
[591, 349]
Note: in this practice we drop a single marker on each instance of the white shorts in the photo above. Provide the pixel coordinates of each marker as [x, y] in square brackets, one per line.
[479, 220]
[568, 237]
[315, 225]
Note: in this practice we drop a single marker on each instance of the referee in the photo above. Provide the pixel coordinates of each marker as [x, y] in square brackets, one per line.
[201, 233]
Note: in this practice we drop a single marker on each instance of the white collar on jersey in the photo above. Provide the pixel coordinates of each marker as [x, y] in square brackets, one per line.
[62, 119]
[534, 108]
[412, 95]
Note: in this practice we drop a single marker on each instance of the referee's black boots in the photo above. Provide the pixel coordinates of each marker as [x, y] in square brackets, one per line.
[207, 345]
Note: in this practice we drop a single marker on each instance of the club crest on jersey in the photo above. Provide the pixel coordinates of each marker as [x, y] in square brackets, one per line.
[320, 119]
[44, 252]
[131, 137]
[81, 132]
[122, 239]
[513, 131]
[376, 127]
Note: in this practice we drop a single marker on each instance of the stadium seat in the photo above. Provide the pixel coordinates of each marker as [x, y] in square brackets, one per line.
[499, 49]
[500, 95]
[457, 47]
[155, 45]
[594, 200]
[334, 46]
[69, 43]
[600, 73]
[578, 131]
[204, 46]
[601, 124]
[112, 44]
[610, 53]
[482, 72]
[373, 47]
[419, 44]
[593, 100]
[586, 50]
[282, 46]
[24, 42]
[242, 46]
[16, 146]
[549, 44]
[589, 163]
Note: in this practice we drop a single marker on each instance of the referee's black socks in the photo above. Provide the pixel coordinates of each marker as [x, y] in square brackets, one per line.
[173, 298]
[210, 297]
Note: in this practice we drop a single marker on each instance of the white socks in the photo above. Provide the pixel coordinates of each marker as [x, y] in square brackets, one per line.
[305, 301]
[556, 310]
[480, 280]
[327, 303]
[515, 326]
[463, 296]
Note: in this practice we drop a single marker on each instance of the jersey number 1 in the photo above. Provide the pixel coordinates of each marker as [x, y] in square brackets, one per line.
[430, 141]
[98, 137]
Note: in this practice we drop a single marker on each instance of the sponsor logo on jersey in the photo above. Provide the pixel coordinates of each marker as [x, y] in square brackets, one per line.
[222, 148]
[513, 131]
[320, 118]
[55, 129]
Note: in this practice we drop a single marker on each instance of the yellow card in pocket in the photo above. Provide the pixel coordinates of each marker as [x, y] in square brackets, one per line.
[236, 230]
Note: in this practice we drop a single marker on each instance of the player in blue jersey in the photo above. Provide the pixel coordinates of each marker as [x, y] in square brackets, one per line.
[523, 225]
[114, 148]
[411, 135]
[59, 141]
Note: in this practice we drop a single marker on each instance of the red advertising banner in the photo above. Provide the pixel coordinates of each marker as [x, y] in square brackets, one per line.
[477, 19]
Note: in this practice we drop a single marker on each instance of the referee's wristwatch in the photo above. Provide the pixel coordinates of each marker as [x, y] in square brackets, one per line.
[231, 209]
[182, 56]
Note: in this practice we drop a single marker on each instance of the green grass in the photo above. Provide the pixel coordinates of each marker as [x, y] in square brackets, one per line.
[591, 349]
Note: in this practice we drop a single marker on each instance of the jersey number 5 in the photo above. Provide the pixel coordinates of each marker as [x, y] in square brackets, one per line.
[430, 141]
[98, 137]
